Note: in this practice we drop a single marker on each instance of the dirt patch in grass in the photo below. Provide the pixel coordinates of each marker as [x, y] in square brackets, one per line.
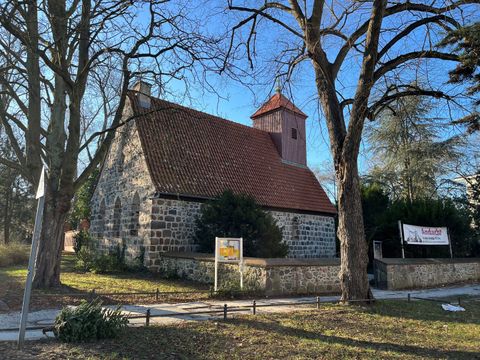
[386, 330]
[12, 280]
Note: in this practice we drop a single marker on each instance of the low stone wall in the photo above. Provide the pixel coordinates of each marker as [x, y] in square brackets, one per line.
[395, 274]
[271, 276]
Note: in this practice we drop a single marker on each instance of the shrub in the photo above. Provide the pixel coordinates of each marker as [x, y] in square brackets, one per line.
[229, 285]
[102, 263]
[114, 261]
[232, 215]
[86, 259]
[81, 239]
[82, 199]
[138, 263]
[381, 217]
[14, 254]
[88, 321]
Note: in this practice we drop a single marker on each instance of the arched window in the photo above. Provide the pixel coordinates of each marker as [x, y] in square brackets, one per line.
[117, 218]
[101, 218]
[135, 216]
[295, 230]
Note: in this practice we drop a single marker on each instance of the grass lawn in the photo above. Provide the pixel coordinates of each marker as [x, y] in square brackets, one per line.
[386, 330]
[12, 280]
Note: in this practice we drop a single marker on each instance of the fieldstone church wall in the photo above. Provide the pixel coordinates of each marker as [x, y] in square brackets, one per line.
[121, 203]
[307, 235]
[173, 229]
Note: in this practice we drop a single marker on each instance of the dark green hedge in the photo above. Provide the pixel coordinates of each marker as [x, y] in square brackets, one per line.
[232, 215]
[381, 223]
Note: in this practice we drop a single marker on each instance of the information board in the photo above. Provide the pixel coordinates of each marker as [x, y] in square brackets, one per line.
[229, 250]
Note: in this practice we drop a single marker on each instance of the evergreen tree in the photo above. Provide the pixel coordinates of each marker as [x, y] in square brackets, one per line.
[466, 41]
[409, 155]
[231, 215]
[81, 201]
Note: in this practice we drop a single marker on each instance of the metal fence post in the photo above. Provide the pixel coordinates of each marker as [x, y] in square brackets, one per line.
[157, 294]
[225, 310]
[254, 307]
[318, 302]
[147, 318]
[408, 297]
[459, 302]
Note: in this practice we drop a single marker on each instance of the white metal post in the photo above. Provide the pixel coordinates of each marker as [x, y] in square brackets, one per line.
[401, 237]
[450, 244]
[241, 264]
[37, 229]
[216, 264]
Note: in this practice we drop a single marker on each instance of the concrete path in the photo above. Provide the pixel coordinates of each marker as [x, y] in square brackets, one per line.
[46, 317]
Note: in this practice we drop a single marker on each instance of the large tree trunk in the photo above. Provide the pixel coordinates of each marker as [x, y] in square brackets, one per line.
[47, 265]
[353, 245]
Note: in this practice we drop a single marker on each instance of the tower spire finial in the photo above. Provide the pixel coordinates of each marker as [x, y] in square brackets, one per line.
[278, 87]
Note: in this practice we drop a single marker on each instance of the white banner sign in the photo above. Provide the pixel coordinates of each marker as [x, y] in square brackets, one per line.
[423, 235]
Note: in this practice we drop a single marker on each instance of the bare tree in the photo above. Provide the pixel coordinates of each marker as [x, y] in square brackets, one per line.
[60, 107]
[382, 45]
[325, 173]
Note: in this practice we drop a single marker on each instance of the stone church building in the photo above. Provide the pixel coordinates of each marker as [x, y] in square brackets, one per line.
[169, 159]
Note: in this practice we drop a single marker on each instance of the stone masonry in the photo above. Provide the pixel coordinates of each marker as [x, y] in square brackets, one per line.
[269, 276]
[307, 236]
[173, 228]
[397, 274]
[121, 203]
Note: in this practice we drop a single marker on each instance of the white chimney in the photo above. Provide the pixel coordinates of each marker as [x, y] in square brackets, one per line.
[144, 91]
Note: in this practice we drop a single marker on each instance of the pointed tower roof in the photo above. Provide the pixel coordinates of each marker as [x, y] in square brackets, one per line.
[278, 101]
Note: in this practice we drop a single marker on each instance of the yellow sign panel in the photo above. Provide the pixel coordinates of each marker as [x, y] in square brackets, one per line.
[229, 250]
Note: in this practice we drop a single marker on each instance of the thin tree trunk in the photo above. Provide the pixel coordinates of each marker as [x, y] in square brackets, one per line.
[8, 210]
[7, 219]
[33, 150]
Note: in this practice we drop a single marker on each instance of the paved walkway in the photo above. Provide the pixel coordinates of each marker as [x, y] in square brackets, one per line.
[46, 317]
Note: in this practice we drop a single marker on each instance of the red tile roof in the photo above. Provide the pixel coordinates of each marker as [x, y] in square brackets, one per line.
[275, 102]
[195, 154]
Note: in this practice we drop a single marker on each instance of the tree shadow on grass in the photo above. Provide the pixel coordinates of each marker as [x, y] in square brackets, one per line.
[295, 332]
[169, 342]
[425, 311]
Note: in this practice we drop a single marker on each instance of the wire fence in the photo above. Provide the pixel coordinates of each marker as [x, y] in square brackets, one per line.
[225, 310]
[94, 293]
